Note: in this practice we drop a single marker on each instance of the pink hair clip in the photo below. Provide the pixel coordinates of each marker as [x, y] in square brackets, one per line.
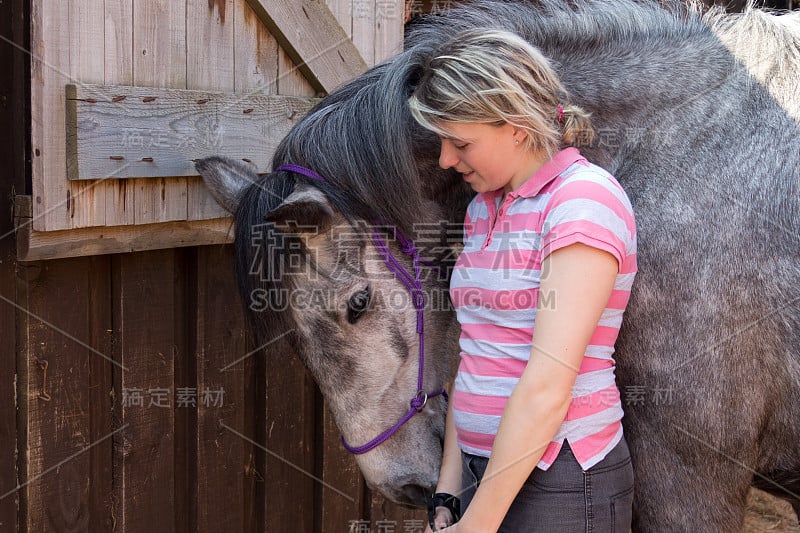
[560, 113]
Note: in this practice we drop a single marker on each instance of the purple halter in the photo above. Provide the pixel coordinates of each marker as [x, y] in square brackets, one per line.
[413, 284]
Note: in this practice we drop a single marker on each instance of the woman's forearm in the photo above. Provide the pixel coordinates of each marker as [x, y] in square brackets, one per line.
[529, 423]
[450, 472]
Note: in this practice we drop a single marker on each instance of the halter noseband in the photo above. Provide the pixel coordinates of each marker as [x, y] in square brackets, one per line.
[413, 285]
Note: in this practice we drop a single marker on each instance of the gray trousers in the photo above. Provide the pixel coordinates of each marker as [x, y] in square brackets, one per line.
[564, 498]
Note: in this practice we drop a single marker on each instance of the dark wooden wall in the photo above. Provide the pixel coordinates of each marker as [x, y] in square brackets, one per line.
[165, 327]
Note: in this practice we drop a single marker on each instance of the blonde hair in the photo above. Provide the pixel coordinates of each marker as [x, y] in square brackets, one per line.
[496, 77]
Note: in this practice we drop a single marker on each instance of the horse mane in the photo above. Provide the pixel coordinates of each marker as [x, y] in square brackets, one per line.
[767, 45]
[342, 138]
[573, 25]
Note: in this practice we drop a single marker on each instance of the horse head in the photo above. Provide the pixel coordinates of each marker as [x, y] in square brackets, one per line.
[316, 275]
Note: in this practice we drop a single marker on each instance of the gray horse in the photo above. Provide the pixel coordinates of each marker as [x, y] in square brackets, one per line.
[697, 115]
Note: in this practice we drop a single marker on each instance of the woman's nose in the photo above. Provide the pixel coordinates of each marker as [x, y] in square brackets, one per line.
[447, 156]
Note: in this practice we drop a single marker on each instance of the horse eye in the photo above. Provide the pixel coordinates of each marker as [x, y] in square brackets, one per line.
[357, 305]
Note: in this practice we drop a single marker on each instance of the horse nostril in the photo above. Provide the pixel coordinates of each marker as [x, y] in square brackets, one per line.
[415, 494]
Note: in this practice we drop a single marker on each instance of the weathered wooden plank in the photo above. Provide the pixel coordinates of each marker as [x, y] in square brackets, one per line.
[339, 470]
[290, 477]
[100, 390]
[364, 29]
[256, 63]
[158, 132]
[290, 78]
[55, 353]
[65, 39]
[314, 41]
[86, 33]
[119, 71]
[389, 15]
[210, 67]
[38, 245]
[225, 484]
[184, 367]
[343, 11]
[145, 344]
[385, 516]
[159, 60]
[209, 48]
[118, 43]
[49, 72]
[8, 380]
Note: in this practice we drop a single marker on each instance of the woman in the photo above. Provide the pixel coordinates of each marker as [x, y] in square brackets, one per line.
[533, 440]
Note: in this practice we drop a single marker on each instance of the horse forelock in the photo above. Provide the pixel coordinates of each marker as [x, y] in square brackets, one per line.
[344, 138]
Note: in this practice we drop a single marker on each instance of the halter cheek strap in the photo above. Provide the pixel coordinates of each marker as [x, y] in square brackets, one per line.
[413, 284]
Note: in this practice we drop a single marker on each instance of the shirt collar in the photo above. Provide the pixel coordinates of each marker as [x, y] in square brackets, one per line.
[548, 172]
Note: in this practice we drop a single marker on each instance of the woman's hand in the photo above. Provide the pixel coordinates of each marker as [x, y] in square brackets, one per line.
[441, 519]
[461, 527]
[449, 474]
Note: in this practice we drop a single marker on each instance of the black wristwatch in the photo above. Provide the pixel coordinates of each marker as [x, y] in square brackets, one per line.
[448, 501]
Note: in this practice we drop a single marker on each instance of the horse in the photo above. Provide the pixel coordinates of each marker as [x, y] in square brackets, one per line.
[697, 114]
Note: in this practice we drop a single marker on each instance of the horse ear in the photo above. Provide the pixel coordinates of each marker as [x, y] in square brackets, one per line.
[306, 210]
[227, 179]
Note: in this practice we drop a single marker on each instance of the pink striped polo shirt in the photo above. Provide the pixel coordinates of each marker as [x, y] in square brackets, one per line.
[495, 290]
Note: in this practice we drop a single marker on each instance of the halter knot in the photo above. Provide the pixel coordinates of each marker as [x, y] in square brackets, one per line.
[406, 244]
[418, 402]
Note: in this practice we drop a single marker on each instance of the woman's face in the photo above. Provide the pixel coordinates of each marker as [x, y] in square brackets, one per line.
[488, 157]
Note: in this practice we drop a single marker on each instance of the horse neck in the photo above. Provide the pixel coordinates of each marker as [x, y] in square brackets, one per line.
[628, 63]
[632, 89]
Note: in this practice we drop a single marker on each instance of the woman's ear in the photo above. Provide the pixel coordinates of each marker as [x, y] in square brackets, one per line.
[519, 135]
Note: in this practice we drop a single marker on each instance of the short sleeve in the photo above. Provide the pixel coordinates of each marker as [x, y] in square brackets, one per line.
[591, 208]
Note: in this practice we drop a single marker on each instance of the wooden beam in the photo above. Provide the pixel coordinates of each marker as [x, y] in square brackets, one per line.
[39, 245]
[140, 132]
[313, 39]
